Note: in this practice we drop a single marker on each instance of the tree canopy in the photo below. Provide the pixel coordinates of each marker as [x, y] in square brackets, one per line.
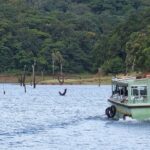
[89, 34]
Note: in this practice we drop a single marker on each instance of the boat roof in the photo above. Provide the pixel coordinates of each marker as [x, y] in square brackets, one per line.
[125, 81]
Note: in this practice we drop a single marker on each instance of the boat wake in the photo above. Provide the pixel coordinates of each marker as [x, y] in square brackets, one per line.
[35, 129]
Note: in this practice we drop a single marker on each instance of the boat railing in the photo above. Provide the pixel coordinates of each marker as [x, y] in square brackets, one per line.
[123, 78]
[139, 99]
[120, 98]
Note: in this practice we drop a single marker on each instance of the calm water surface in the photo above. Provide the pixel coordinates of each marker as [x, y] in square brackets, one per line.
[42, 120]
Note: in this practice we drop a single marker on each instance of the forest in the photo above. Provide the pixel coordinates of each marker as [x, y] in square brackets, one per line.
[82, 35]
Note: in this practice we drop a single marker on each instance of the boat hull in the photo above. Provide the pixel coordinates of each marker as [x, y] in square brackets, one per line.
[136, 111]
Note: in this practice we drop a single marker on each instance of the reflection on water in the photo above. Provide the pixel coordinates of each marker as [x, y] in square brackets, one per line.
[42, 120]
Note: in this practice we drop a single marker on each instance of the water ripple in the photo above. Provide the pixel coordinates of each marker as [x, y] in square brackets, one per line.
[41, 119]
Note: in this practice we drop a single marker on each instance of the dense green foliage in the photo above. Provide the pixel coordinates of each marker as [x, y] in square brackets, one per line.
[131, 42]
[111, 34]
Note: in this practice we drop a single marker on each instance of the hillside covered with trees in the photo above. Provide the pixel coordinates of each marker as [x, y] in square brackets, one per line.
[88, 34]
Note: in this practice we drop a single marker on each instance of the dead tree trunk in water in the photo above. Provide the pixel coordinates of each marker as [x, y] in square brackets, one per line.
[20, 79]
[99, 76]
[42, 75]
[24, 79]
[33, 75]
[4, 88]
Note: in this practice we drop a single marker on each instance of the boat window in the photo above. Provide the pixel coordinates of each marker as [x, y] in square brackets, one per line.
[121, 90]
[115, 89]
[143, 91]
[139, 92]
[135, 91]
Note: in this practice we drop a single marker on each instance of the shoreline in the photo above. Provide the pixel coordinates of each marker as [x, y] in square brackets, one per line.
[68, 80]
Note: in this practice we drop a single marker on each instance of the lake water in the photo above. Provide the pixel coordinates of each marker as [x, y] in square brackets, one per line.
[42, 120]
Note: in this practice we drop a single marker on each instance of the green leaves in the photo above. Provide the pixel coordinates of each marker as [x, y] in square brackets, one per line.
[114, 65]
[87, 33]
